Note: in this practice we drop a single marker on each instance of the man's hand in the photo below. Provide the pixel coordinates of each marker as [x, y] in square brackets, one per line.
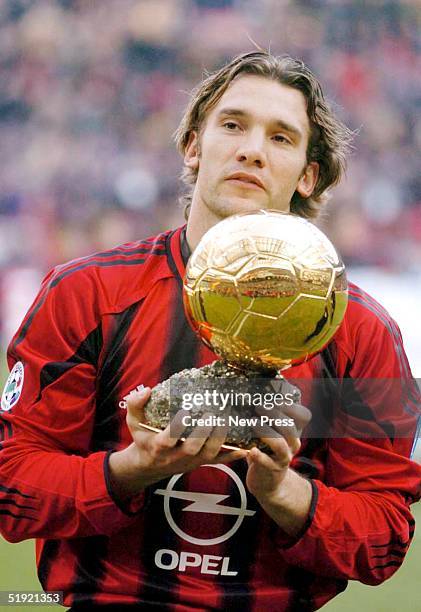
[154, 456]
[281, 492]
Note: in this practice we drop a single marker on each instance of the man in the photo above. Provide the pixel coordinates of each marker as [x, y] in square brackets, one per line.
[127, 517]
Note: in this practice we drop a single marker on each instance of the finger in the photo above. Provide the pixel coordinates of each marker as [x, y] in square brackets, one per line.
[177, 427]
[196, 440]
[282, 452]
[170, 436]
[301, 415]
[297, 412]
[212, 447]
[288, 433]
[257, 457]
[218, 437]
[277, 424]
[136, 401]
[229, 456]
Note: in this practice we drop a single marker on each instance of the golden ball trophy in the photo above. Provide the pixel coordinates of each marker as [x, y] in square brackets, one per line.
[265, 291]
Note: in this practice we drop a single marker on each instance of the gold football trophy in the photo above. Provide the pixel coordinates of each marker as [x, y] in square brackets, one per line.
[265, 291]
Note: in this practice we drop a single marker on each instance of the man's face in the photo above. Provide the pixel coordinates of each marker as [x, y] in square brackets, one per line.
[251, 152]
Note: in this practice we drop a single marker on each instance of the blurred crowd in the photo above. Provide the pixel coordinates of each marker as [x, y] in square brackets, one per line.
[92, 91]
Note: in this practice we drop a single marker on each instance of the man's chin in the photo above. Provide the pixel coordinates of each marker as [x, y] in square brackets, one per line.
[236, 205]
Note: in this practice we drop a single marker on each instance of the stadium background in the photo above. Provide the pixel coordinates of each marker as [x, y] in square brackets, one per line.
[90, 94]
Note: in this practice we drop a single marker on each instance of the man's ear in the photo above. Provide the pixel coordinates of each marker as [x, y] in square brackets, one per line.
[192, 152]
[308, 180]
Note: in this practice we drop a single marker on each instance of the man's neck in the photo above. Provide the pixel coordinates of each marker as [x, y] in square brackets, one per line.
[200, 220]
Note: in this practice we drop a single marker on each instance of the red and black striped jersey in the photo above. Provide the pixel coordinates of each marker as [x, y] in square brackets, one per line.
[104, 324]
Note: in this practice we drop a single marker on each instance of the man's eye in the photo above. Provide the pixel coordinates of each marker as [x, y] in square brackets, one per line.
[230, 125]
[281, 138]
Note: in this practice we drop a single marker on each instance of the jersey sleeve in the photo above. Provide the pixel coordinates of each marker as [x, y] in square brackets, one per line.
[51, 485]
[360, 525]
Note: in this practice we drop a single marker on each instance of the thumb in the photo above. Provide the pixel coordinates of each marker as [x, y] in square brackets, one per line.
[136, 401]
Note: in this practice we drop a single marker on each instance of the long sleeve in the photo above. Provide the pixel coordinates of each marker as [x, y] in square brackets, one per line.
[51, 486]
[360, 525]
[363, 531]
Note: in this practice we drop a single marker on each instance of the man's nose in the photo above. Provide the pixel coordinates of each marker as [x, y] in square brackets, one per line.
[251, 152]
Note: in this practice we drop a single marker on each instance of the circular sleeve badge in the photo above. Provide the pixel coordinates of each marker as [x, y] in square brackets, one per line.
[13, 387]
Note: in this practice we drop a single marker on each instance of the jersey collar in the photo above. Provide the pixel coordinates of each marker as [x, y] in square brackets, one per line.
[178, 252]
[184, 246]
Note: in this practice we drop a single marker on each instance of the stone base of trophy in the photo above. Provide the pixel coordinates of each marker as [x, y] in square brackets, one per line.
[218, 393]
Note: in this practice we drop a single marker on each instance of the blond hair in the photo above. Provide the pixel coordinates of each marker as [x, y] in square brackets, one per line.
[329, 142]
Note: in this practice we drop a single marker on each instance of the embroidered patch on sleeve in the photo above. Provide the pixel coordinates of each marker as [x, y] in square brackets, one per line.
[13, 387]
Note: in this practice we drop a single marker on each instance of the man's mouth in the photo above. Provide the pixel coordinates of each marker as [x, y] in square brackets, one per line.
[246, 180]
